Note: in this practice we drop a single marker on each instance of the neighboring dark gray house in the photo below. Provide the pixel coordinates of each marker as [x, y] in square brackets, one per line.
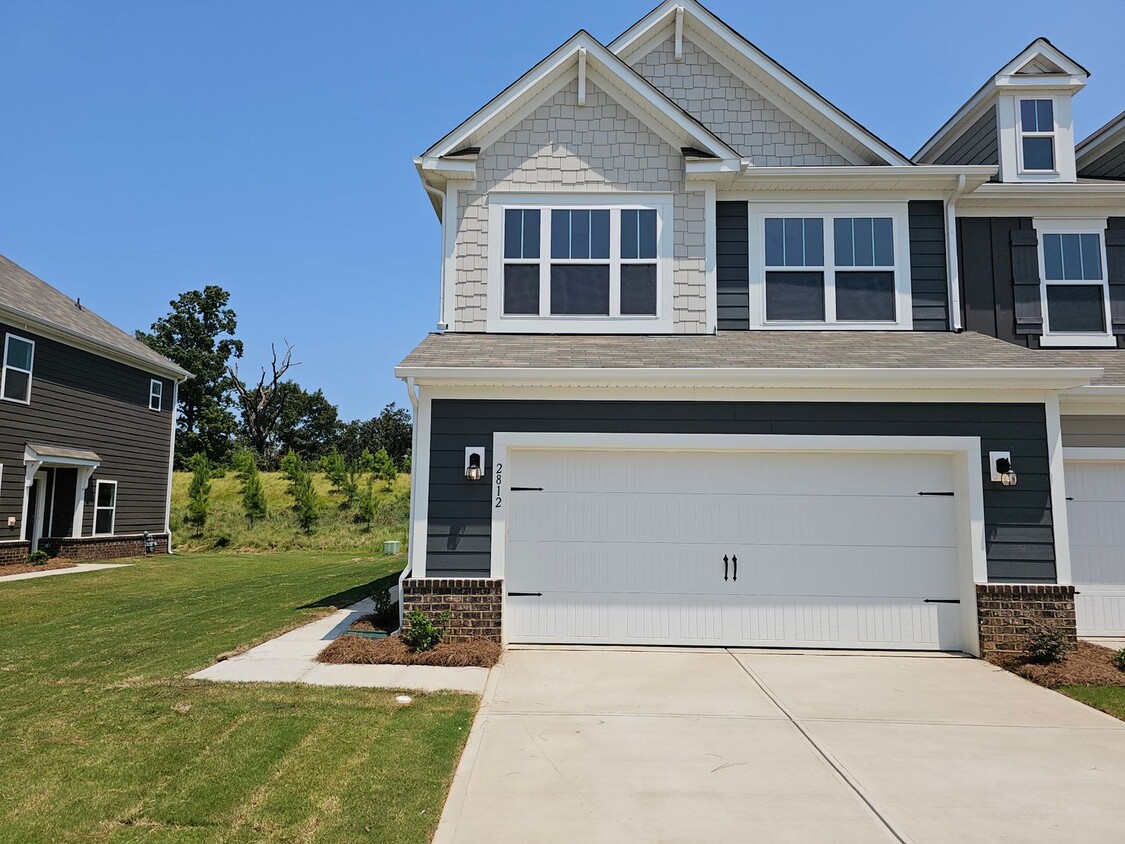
[87, 427]
[716, 365]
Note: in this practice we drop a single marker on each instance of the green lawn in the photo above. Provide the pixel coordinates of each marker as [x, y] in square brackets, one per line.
[1109, 699]
[102, 738]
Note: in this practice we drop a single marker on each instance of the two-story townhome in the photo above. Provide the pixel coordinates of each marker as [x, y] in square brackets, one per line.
[87, 427]
[718, 366]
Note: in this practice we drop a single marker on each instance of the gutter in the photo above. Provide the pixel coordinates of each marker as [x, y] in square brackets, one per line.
[171, 460]
[1043, 378]
[953, 272]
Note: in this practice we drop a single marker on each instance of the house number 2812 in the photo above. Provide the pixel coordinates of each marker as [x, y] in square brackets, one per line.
[499, 476]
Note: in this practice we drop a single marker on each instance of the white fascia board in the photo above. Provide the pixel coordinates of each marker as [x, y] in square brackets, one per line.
[938, 177]
[37, 325]
[700, 16]
[1100, 140]
[992, 378]
[1044, 199]
[624, 77]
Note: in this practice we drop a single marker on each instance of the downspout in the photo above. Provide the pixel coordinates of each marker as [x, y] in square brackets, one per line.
[171, 461]
[954, 273]
[412, 392]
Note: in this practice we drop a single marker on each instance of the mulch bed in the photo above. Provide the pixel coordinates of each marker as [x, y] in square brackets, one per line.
[393, 651]
[371, 624]
[1087, 665]
[23, 568]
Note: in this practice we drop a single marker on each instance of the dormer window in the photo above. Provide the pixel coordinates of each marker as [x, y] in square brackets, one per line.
[1037, 136]
[572, 263]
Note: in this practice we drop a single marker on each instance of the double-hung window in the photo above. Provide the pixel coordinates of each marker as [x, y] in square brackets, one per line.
[840, 268]
[1075, 294]
[1037, 136]
[584, 265]
[19, 358]
[155, 394]
[105, 507]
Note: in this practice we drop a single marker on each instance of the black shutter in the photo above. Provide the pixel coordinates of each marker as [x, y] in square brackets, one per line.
[1025, 274]
[1115, 272]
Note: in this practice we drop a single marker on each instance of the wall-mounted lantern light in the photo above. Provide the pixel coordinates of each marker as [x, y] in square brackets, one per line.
[1000, 463]
[474, 463]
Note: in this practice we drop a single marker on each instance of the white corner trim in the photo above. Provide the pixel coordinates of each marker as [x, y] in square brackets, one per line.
[711, 248]
[1055, 456]
[420, 482]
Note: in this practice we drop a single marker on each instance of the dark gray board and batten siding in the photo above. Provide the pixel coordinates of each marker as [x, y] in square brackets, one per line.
[82, 400]
[1108, 165]
[1019, 534]
[929, 285]
[1000, 278]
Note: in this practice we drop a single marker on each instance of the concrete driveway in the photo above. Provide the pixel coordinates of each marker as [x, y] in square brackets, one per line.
[675, 745]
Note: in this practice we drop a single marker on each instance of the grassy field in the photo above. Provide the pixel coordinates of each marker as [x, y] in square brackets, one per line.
[227, 527]
[1109, 699]
[103, 740]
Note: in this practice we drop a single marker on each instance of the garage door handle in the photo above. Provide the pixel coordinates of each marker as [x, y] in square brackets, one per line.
[726, 564]
[734, 560]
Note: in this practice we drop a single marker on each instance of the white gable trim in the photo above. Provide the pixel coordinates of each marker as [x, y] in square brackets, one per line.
[1008, 77]
[639, 39]
[557, 70]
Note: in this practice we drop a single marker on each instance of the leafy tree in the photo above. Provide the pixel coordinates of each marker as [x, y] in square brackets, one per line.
[308, 423]
[391, 431]
[199, 492]
[341, 475]
[198, 334]
[302, 490]
[385, 469]
[253, 495]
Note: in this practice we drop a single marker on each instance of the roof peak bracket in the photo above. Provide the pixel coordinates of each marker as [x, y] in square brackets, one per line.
[679, 34]
[581, 76]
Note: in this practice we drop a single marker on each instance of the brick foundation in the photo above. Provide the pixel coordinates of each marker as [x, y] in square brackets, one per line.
[474, 605]
[101, 547]
[14, 552]
[1007, 613]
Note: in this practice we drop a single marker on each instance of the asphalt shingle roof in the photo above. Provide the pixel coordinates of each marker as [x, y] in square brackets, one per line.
[24, 293]
[737, 349]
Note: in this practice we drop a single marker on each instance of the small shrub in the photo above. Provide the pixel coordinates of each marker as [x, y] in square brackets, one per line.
[385, 612]
[223, 540]
[1119, 660]
[1046, 645]
[385, 469]
[302, 490]
[424, 634]
[38, 558]
[253, 495]
[199, 493]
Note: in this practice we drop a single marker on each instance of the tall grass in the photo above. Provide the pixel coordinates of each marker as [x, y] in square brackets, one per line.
[337, 529]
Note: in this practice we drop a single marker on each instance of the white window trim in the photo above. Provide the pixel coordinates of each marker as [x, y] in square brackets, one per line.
[1053, 135]
[615, 322]
[829, 211]
[113, 510]
[6, 366]
[156, 391]
[1045, 226]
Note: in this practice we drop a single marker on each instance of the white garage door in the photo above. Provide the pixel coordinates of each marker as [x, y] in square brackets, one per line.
[1096, 515]
[712, 548]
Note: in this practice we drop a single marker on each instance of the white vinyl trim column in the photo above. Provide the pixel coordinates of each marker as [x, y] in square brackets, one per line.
[1055, 455]
[420, 485]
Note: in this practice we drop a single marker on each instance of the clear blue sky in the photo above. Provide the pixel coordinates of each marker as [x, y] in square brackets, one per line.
[147, 148]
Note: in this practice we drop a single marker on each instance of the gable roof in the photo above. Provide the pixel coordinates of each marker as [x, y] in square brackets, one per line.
[539, 83]
[1039, 64]
[1102, 154]
[783, 86]
[28, 300]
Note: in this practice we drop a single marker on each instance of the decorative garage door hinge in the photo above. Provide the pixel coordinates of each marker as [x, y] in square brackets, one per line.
[950, 494]
[525, 594]
[527, 489]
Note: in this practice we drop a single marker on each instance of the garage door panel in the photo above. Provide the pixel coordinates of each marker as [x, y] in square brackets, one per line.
[834, 549]
[1096, 518]
[1100, 610]
[586, 471]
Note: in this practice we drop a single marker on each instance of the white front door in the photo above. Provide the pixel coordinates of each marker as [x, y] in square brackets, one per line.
[1096, 518]
[732, 548]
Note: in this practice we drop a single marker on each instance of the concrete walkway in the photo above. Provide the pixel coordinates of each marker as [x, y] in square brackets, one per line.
[675, 745]
[1114, 643]
[77, 569]
[291, 658]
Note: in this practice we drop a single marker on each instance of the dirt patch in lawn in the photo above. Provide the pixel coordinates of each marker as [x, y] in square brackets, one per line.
[1087, 665]
[393, 651]
[24, 568]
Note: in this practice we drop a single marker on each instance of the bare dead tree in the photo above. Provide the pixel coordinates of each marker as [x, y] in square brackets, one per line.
[263, 403]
